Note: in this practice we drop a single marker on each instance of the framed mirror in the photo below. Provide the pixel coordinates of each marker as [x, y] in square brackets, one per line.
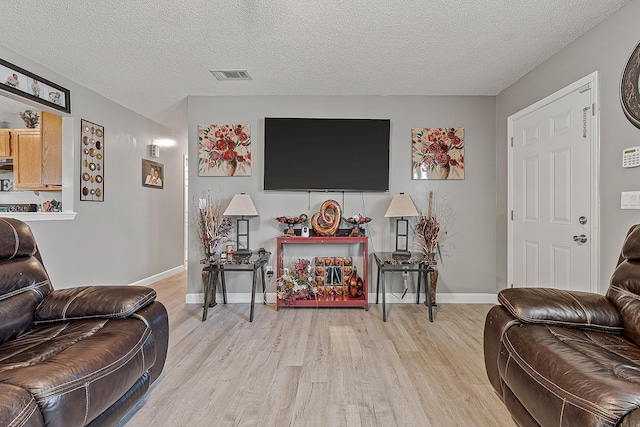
[629, 92]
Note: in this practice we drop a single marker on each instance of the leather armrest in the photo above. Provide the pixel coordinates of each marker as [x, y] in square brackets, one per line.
[93, 301]
[562, 307]
[18, 407]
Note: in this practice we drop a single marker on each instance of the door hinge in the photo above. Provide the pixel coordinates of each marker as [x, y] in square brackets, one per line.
[511, 285]
[511, 142]
[512, 215]
[593, 109]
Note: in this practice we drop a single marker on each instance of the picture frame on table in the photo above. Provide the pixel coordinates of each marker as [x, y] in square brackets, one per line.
[27, 85]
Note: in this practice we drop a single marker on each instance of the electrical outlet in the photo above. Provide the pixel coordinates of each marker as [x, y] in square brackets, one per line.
[269, 268]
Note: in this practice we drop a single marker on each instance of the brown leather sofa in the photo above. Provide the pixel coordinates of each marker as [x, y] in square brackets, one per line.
[562, 358]
[71, 357]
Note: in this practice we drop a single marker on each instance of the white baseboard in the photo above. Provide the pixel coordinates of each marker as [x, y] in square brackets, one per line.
[409, 298]
[163, 275]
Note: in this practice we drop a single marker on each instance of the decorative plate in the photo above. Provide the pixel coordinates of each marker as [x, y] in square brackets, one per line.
[99, 133]
[629, 91]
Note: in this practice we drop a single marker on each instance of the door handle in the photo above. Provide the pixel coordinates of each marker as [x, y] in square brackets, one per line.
[580, 239]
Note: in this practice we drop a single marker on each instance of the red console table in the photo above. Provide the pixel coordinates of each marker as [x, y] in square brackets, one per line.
[350, 245]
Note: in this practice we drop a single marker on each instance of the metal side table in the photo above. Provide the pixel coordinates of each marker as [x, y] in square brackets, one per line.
[416, 262]
[218, 267]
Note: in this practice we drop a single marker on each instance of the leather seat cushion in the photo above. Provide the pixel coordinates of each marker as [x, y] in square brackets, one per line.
[582, 376]
[76, 370]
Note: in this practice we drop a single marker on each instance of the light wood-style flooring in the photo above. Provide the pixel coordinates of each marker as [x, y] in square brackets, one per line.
[320, 367]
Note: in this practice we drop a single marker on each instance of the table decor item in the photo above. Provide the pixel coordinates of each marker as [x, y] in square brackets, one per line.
[327, 221]
[212, 226]
[296, 283]
[431, 231]
[356, 221]
[290, 221]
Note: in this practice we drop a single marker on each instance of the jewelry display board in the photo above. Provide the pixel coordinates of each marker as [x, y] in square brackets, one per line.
[91, 162]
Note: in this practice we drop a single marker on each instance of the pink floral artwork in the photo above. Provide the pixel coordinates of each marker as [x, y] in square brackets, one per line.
[224, 150]
[437, 153]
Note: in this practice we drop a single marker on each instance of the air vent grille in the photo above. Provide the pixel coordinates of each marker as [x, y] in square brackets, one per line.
[231, 74]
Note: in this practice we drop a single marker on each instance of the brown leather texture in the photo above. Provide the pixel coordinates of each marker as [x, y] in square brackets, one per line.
[71, 357]
[563, 358]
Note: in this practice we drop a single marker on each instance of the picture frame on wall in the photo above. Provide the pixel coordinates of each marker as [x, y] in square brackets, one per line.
[27, 85]
[152, 174]
[92, 165]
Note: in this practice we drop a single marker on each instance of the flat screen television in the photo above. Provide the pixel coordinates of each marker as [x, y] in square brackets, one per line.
[309, 154]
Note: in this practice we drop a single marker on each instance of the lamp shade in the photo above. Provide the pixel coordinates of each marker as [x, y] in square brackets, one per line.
[402, 205]
[241, 205]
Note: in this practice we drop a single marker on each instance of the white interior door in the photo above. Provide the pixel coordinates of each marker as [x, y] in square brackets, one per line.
[553, 192]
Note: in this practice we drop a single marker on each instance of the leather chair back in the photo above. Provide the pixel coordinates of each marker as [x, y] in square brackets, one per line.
[624, 289]
[24, 281]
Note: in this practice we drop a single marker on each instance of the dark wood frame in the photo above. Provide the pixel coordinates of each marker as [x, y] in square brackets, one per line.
[146, 164]
[629, 91]
[24, 93]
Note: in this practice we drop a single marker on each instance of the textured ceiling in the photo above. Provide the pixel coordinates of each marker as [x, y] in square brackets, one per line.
[148, 55]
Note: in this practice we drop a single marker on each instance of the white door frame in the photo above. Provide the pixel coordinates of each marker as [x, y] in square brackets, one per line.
[594, 214]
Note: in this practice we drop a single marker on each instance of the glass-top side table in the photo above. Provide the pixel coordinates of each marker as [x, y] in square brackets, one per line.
[415, 262]
[218, 266]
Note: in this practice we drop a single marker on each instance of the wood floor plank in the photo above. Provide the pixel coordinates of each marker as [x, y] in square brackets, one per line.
[320, 367]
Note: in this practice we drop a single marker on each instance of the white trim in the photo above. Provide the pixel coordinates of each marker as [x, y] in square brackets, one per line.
[156, 277]
[410, 298]
[39, 216]
[594, 220]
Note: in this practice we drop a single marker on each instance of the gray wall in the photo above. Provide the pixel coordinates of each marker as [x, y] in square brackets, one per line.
[605, 48]
[136, 232]
[470, 252]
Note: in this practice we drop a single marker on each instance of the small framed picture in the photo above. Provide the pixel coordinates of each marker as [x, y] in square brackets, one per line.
[231, 249]
[152, 174]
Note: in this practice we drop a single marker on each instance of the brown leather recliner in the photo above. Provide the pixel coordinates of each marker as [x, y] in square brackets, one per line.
[562, 358]
[71, 357]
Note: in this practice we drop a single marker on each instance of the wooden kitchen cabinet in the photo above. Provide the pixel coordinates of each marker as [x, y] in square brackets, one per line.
[5, 144]
[37, 156]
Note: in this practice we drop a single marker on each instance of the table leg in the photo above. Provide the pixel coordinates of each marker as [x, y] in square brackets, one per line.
[253, 294]
[224, 286]
[378, 284]
[264, 287]
[419, 286]
[384, 306]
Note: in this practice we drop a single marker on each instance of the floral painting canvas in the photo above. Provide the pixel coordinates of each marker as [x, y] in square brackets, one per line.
[224, 150]
[437, 153]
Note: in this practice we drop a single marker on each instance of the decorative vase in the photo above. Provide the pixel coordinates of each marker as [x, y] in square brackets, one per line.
[31, 125]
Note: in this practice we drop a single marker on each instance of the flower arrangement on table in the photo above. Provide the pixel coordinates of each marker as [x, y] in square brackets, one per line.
[224, 150]
[297, 283]
[437, 153]
[357, 221]
[432, 227]
[30, 118]
[212, 226]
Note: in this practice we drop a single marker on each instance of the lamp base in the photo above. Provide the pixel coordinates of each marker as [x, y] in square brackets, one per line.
[243, 252]
[401, 254]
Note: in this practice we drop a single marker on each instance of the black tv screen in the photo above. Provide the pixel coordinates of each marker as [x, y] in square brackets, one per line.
[303, 154]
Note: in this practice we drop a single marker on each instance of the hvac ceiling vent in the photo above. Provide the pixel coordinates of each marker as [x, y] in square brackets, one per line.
[231, 74]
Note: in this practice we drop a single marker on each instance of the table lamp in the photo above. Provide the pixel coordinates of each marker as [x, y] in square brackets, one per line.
[241, 205]
[401, 206]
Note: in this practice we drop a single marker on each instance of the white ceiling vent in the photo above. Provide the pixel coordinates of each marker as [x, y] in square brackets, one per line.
[231, 74]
